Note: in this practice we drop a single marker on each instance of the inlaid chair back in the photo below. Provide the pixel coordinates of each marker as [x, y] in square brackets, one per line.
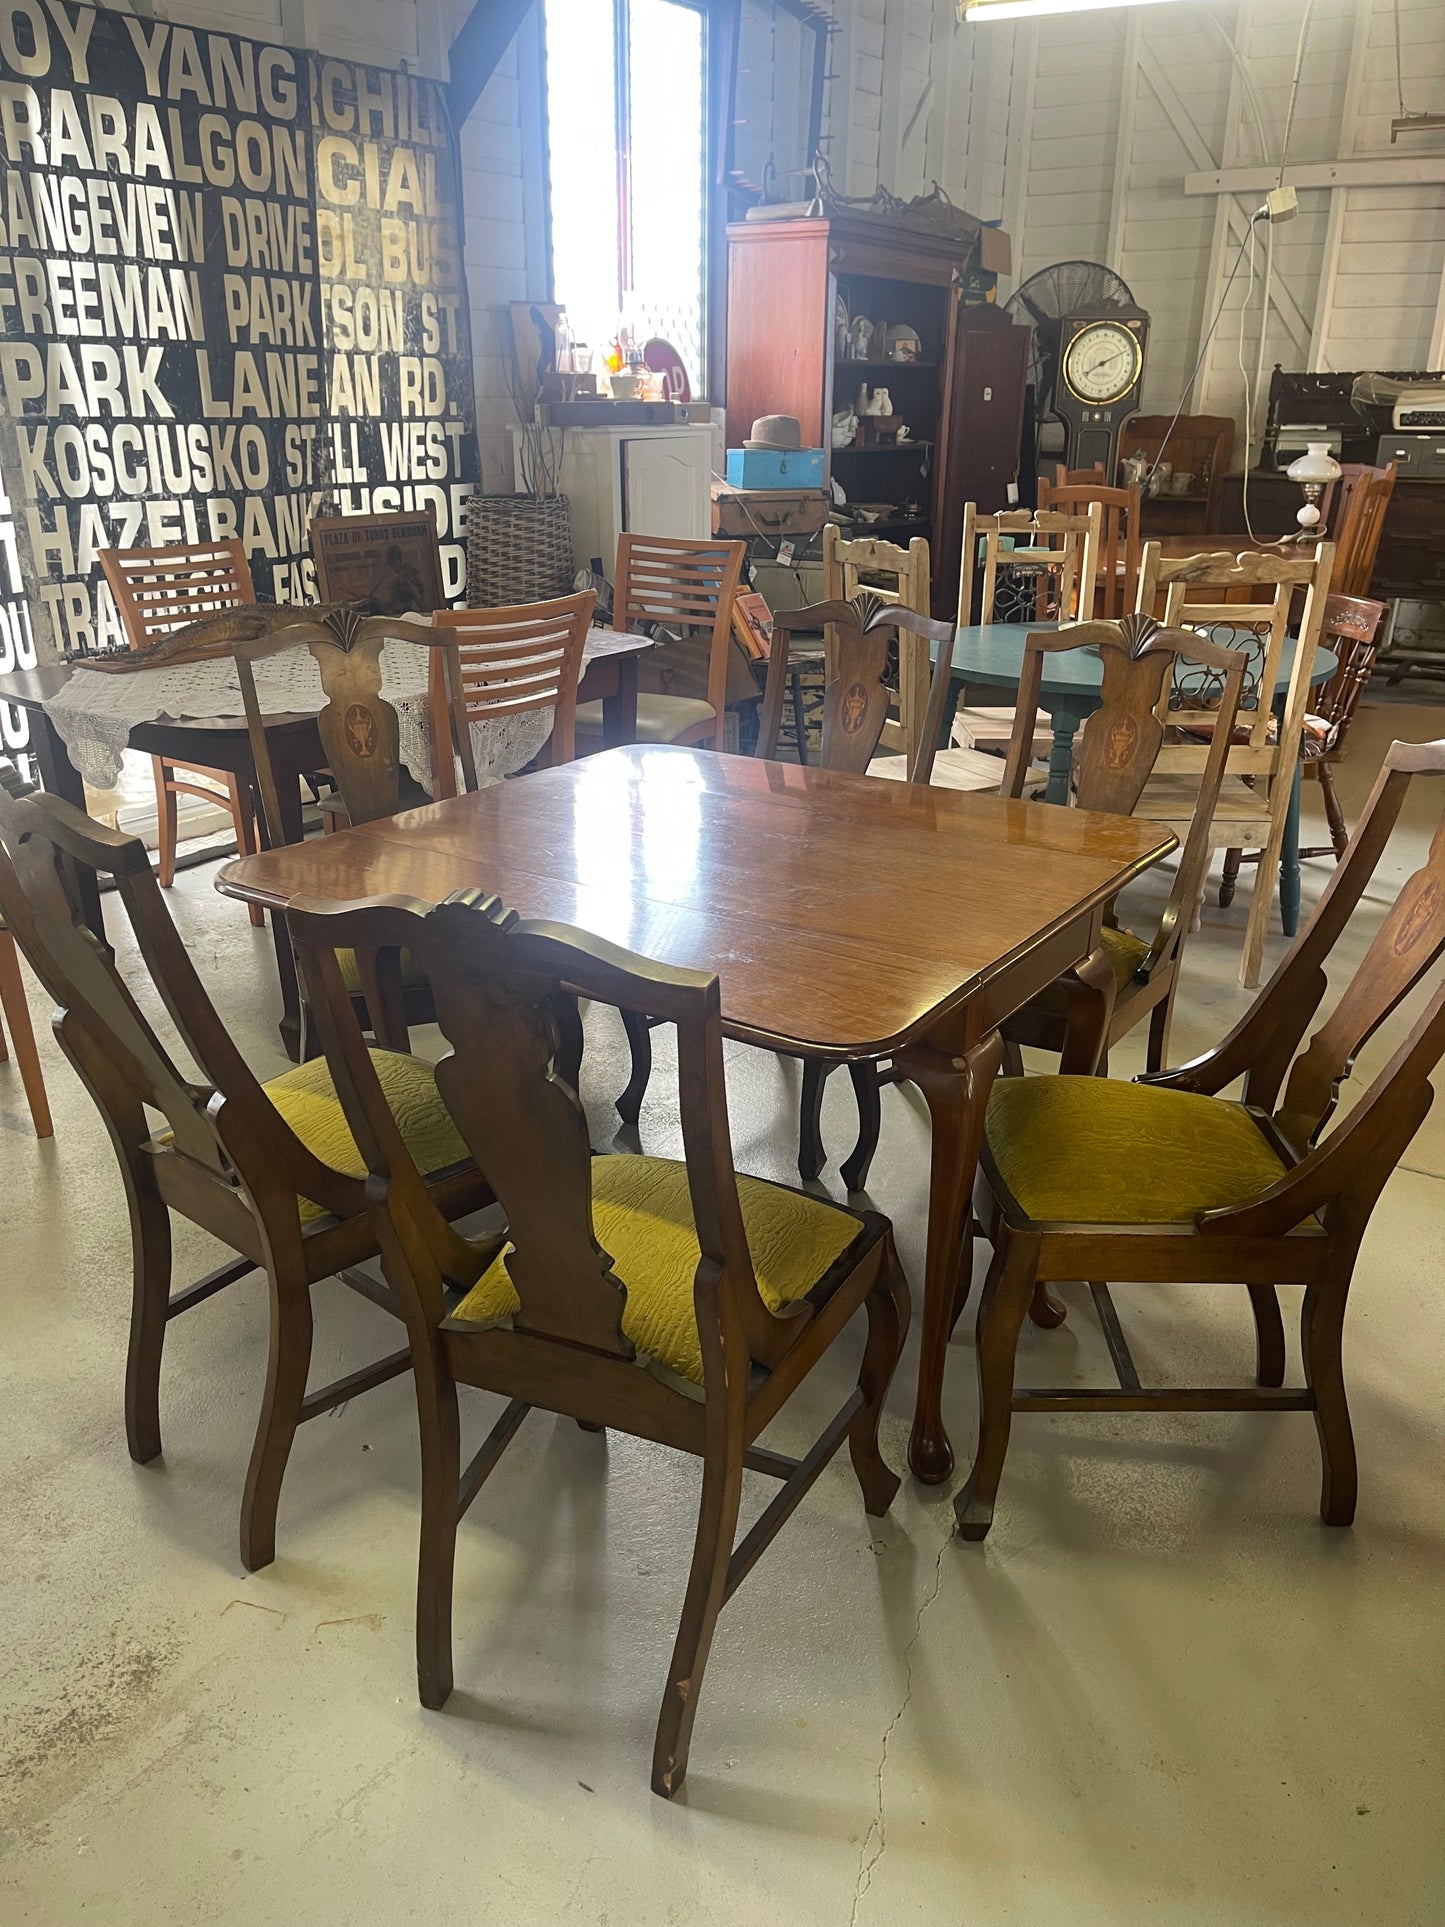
[851, 566]
[686, 589]
[856, 694]
[1350, 630]
[1116, 578]
[359, 728]
[160, 590]
[1362, 496]
[1037, 566]
[513, 662]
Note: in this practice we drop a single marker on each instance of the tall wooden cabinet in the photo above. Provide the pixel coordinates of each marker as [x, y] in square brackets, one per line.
[789, 284]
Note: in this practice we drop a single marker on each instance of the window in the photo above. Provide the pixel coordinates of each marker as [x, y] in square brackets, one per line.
[626, 132]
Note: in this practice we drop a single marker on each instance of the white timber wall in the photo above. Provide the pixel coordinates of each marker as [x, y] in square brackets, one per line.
[501, 156]
[1079, 133]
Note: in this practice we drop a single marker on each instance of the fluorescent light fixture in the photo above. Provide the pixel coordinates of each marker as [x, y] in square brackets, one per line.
[980, 10]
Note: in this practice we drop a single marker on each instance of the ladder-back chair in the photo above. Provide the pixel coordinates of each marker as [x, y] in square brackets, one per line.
[684, 590]
[268, 1169]
[1362, 495]
[672, 1300]
[158, 591]
[515, 664]
[1260, 771]
[1116, 576]
[1166, 1181]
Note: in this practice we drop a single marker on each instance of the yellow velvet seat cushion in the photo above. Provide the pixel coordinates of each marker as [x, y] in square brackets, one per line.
[1125, 952]
[642, 1216]
[411, 977]
[1090, 1150]
[306, 1098]
[660, 719]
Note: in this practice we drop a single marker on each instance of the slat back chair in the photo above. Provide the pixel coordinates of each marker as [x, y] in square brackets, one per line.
[361, 735]
[628, 1285]
[1116, 577]
[1362, 496]
[1259, 772]
[158, 591]
[1086, 1013]
[1048, 574]
[1165, 1180]
[1350, 630]
[849, 567]
[514, 663]
[684, 589]
[266, 1168]
[856, 693]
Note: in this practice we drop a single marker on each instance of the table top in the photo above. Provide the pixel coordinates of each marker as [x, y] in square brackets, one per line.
[840, 913]
[993, 652]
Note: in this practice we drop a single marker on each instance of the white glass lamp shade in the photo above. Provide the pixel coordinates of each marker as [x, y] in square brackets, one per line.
[1314, 471]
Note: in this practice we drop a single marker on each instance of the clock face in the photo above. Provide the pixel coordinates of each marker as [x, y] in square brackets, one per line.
[1102, 362]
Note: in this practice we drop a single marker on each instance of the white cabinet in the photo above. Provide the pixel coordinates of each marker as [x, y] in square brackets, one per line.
[654, 481]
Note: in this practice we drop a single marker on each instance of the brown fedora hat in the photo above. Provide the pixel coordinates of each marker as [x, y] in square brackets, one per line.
[776, 431]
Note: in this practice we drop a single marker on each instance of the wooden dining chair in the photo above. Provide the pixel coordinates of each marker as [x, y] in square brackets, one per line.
[1260, 770]
[1167, 1181]
[1088, 1010]
[894, 574]
[1362, 495]
[14, 1005]
[269, 1169]
[361, 736]
[517, 665]
[1116, 574]
[855, 706]
[158, 591]
[1032, 567]
[681, 593]
[1350, 630]
[671, 1300]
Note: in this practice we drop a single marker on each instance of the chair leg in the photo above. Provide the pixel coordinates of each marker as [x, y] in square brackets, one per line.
[717, 1519]
[1321, 1338]
[1161, 1023]
[639, 1038]
[436, 1564]
[1268, 1335]
[888, 1308]
[1232, 861]
[1046, 1312]
[1334, 814]
[800, 720]
[866, 1089]
[1013, 1059]
[150, 1231]
[243, 815]
[288, 1362]
[812, 1155]
[166, 823]
[22, 1033]
[1006, 1296]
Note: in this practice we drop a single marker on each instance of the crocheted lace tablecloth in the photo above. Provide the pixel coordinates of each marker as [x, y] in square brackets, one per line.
[95, 713]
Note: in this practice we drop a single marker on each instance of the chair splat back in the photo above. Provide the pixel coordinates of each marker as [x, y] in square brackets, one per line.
[1117, 560]
[513, 662]
[505, 995]
[359, 728]
[856, 694]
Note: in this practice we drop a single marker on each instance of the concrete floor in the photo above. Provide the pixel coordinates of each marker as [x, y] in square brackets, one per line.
[1161, 1692]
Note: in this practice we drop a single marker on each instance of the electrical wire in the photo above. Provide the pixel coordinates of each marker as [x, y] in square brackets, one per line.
[1299, 64]
[1260, 215]
[1399, 66]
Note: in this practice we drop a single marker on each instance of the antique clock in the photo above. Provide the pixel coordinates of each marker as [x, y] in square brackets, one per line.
[1100, 371]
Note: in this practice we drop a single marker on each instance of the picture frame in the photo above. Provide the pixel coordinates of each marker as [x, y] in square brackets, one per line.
[383, 565]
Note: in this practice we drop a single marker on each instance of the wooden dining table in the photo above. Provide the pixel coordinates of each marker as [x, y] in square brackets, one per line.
[844, 917]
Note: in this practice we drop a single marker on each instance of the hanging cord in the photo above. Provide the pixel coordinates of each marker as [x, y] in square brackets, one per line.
[1399, 67]
[1261, 215]
[1299, 67]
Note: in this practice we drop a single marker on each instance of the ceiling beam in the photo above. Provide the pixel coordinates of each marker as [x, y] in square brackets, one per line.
[1415, 170]
[485, 35]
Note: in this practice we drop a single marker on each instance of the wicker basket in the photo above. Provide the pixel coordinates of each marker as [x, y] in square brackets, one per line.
[519, 549]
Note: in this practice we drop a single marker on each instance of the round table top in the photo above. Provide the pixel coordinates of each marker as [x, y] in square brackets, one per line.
[993, 652]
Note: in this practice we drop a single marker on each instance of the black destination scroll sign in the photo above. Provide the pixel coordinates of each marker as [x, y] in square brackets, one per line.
[232, 298]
